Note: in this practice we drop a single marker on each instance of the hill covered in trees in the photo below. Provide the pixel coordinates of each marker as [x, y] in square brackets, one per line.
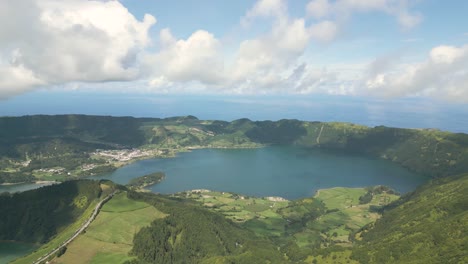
[429, 225]
[191, 234]
[38, 215]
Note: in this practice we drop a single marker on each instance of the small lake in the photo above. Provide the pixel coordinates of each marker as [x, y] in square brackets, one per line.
[13, 250]
[21, 187]
[285, 171]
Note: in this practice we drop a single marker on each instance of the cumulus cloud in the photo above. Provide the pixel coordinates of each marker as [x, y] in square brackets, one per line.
[263, 59]
[16, 80]
[198, 58]
[319, 8]
[444, 74]
[47, 42]
[259, 64]
[57, 41]
[324, 31]
[265, 8]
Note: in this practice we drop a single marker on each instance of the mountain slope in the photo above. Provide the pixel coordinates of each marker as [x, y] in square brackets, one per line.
[429, 225]
[191, 234]
[36, 216]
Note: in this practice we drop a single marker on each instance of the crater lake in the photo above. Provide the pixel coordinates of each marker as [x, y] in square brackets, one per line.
[285, 171]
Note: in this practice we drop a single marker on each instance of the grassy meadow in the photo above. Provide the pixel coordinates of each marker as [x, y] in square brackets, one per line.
[326, 219]
[110, 237]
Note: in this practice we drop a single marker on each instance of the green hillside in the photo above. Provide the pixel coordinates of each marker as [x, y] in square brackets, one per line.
[38, 215]
[109, 238]
[429, 225]
[191, 234]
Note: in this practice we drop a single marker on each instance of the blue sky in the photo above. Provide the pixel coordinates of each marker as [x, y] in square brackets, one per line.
[370, 52]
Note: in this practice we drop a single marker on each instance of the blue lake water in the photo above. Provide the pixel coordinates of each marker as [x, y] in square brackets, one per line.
[289, 172]
[12, 250]
[21, 187]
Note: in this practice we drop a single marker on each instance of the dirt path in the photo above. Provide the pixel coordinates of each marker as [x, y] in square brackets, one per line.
[320, 133]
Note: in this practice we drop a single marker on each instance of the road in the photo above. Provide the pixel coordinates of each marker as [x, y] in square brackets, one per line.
[79, 231]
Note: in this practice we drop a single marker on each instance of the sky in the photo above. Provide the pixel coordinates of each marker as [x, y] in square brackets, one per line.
[275, 57]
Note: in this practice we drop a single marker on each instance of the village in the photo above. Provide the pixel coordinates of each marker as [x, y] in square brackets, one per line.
[125, 155]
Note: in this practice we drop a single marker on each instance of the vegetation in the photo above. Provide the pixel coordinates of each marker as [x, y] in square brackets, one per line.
[426, 226]
[38, 215]
[146, 180]
[190, 234]
[430, 152]
[109, 238]
[64, 146]
[68, 231]
[338, 225]
[299, 226]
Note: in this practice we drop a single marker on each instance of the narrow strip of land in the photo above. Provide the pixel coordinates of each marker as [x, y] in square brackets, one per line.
[79, 231]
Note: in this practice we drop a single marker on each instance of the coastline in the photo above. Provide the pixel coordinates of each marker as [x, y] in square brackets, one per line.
[12, 183]
[172, 153]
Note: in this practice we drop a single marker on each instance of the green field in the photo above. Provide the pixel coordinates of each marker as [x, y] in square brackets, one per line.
[327, 219]
[242, 209]
[110, 237]
[346, 214]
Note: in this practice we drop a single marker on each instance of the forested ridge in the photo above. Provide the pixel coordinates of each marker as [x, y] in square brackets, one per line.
[37, 215]
[191, 234]
[429, 225]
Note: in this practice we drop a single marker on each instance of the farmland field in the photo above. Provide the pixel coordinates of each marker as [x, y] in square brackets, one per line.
[110, 237]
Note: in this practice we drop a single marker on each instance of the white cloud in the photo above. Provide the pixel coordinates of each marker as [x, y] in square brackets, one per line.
[52, 42]
[407, 20]
[16, 80]
[324, 31]
[198, 58]
[56, 41]
[267, 56]
[265, 8]
[446, 54]
[444, 74]
[318, 8]
[262, 63]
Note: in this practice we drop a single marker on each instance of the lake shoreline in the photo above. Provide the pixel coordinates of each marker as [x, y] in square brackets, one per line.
[32, 182]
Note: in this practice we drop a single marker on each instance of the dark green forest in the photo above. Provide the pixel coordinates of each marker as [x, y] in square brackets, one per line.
[146, 180]
[36, 216]
[190, 234]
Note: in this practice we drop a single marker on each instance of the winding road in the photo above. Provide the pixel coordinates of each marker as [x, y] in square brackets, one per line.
[79, 231]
